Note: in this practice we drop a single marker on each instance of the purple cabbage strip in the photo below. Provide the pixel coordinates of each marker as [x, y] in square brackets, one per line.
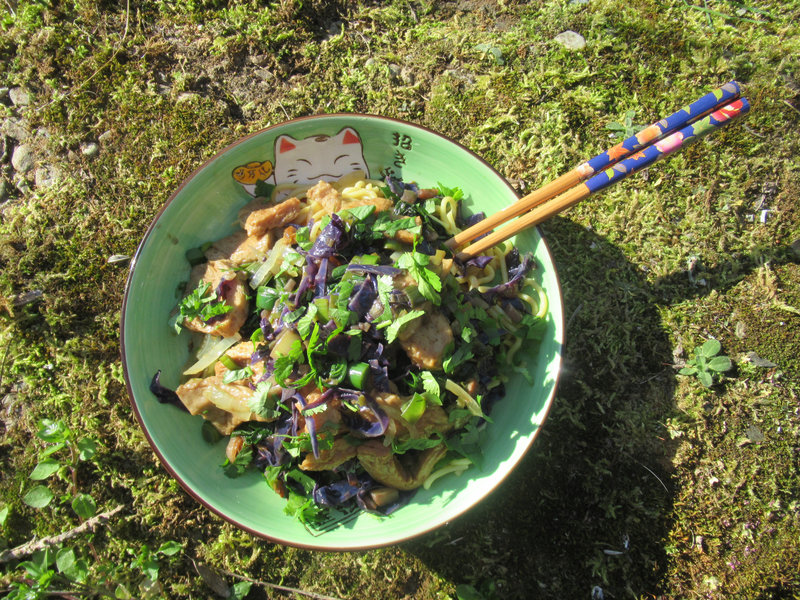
[398, 186]
[270, 452]
[370, 421]
[321, 280]
[363, 296]
[515, 277]
[330, 239]
[339, 345]
[479, 261]
[336, 493]
[309, 274]
[164, 394]
[379, 372]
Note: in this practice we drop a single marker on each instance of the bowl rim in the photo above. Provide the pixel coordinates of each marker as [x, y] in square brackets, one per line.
[162, 459]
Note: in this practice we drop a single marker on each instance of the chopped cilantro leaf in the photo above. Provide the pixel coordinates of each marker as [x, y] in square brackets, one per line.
[200, 303]
[237, 374]
[394, 329]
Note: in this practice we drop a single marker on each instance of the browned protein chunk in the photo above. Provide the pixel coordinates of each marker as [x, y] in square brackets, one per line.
[241, 354]
[433, 420]
[327, 196]
[426, 343]
[225, 405]
[384, 466]
[241, 248]
[379, 203]
[330, 458]
[259, 220]
[234, 295]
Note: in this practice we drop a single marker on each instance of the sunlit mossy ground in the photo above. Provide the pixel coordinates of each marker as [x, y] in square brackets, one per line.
[644, 483]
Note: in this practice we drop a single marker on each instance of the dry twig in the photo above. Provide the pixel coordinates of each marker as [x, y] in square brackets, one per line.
[29, 548]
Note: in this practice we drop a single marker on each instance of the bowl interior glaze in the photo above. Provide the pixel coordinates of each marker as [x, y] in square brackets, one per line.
[204, 208]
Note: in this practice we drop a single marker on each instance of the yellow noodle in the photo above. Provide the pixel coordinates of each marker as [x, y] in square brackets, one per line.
[512, 350]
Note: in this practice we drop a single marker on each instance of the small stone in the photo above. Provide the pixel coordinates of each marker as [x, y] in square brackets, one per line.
[19, 96]
[105, 136]
[754, 434]
[369, 62]
[264, 74]
[407, 76]
[571, 40]
[46, 176]
[16, 128]
[90, 149]
[22, 159]
[23, 186]
[394, 70]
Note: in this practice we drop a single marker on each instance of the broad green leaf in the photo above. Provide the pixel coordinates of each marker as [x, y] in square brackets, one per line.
[122, 593]
[38, 497]
[86, 448]
[687, 371]
[720, 364]
[44, 469]
[3, 516]
[710, 348]
[705, 378]
[52, 449]
[65, 560]
[76, 569]
[84, 506]
[170, 548]
[239, 590]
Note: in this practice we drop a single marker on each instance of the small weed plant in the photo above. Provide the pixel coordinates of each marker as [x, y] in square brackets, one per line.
[56, 568]
[707, 364]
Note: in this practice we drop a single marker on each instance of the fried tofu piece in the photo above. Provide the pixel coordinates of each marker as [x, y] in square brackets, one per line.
[386, 468]
[257, 219]
[330, 458]
[241, 249]
[327, 196]
[241, 354]
[225, 405]
[426, 342]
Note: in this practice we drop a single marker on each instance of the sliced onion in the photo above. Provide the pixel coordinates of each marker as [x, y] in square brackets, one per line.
[211, 352]
[269, 266]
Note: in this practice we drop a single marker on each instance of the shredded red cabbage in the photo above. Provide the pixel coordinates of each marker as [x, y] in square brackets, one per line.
[164, 394]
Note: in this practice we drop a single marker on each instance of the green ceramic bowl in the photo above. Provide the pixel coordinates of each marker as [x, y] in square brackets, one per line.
[204, 208]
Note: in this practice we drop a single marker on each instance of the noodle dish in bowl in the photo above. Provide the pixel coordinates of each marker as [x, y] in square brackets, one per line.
[306, 356]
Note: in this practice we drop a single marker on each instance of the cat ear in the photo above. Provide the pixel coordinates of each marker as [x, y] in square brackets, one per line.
[349, 136]
[284, 143]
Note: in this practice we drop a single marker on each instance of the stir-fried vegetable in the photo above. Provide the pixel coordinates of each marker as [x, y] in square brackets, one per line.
[367, 360]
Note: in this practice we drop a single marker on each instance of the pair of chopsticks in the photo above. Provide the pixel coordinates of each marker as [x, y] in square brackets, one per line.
[701, 117]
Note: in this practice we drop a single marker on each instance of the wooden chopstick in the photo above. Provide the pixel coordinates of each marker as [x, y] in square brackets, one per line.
[621, 170]
[649, 135]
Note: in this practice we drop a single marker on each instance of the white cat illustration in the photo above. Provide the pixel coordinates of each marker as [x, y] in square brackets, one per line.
[305, 161]
[318, 157]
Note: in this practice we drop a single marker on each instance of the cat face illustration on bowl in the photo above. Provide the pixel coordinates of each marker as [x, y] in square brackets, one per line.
[305, 161]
